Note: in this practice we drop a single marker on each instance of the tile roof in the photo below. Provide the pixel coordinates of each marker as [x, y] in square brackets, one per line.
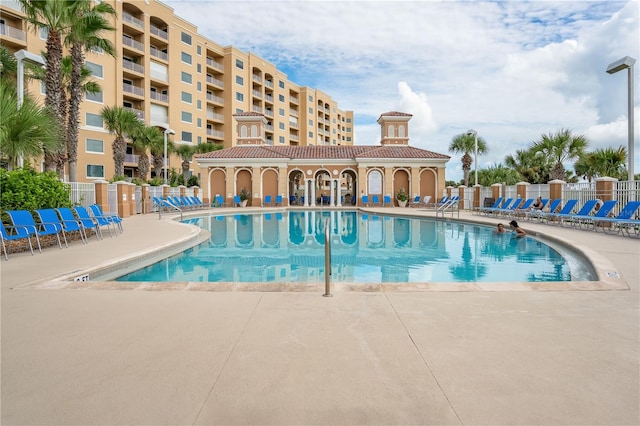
[395, 114]
[323, 152]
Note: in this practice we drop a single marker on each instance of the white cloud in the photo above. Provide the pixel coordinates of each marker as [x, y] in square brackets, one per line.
[512, 70]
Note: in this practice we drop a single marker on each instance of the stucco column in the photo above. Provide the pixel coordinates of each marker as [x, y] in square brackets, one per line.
[388, 183]
[450, 191]
[462, 201]
[256, 187]
[522, 189]
[283, 184]
[230, 185]
[415, 183]
[165, 190]
[495, 190]
[146, 201]
[122, 189]
[362, 185]
[101, 194]
[476, 196]
[311, 183]
[196, 191]
[604, 188]
[133, 208]
[183, 190]
[555, 189]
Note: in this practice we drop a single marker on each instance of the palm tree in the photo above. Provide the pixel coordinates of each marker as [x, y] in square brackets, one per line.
[24, 131]
[142, 141]
[533, 168]
[88, 23]
[558, 148]
[157, 152]
[465, 143]
[8, 66]
[498, 173]
[603, 162]
[52, 15]
[120, 122]
[186, 153]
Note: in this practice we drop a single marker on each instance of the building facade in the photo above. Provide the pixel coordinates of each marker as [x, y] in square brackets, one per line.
[322, 175]
[196, 97]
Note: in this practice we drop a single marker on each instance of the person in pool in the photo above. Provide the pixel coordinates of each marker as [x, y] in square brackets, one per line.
[500, 229]
[519, 231]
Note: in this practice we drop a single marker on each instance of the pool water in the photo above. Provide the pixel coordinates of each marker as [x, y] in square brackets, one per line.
[289, 247]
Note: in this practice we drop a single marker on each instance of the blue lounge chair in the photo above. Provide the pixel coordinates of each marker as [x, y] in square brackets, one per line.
[49, 219]
[375, 200]
[236, 201]
[219, 201]
[552, 215]
[112, 217]
[365, 200]
[89, 221]
[585, 210]
[624, 221]
[72, 223]
[506, 211]
[24, 218]
[415, 202]
[539, 214]
[279, 200]
[502, 205]
[589, 221]
[386, 200]
[267, 200]
[496, 204]
[14, 233]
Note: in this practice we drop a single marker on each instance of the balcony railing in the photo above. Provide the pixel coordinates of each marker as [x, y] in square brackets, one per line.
[257, 94]
[215, 81]
[132, 66]
[162, 97]
[139, 112]
[256, 108]
[130, 88]
[268, 83]
[132, 20]
[215, 116]
[214, 98]
[268, 113]
[131, 158]
[268, 98]
[12, 32]
[256, 78]
[128, 41]
[160, 33]
[158, 53]
[294, 137]
[215, 133]
[293, 99]
[213, 64]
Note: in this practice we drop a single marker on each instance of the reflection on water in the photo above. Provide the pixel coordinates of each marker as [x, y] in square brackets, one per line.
[289, 247]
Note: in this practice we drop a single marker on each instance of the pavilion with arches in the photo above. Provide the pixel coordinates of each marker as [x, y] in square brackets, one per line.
[321, 175]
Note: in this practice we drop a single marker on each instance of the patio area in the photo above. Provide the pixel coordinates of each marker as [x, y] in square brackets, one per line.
[112, 355]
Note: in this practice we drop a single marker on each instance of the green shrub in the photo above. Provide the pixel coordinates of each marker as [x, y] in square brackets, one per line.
[26, 189]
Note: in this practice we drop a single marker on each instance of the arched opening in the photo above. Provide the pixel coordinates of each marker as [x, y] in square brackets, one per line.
[296, 187]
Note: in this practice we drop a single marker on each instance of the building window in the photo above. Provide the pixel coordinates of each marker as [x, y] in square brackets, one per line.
[96, 70]
[199, 50]
[281, 139]
[281, 84]
[281, 98]
[281, 126]
[310, 134]
[93, 120]
[186, 38]
[310, 98]
[239, 64]
[93, 97]
[187, 97]
[199, 86]
[187, 117]
[187, 137]
[43, 88]
[239, 96]
[348, 138]
[348, 120]
[44, 33]
[199, 123]
[95, 171]
[310, 110]
[281, 112]
[239, 80]
[94, 145]
[186, 58]
[199, 104]
[310, 122]
[186, 77]
[199, 68]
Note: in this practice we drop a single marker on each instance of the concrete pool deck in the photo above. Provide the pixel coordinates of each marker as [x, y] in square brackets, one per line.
[111, 356]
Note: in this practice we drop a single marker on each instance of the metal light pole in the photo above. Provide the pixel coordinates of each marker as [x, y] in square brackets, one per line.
[23, 56]
[167, 131]
[619, 65]
[475, 152]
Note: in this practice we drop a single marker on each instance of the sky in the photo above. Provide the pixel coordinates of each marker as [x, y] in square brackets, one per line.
[511, 70]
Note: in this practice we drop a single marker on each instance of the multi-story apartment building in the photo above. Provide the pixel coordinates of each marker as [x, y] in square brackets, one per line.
[175, 78]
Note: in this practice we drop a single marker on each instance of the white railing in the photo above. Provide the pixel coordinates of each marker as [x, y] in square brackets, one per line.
[158, 53]
[128, 41]
[160, 33]
[159, 96]
[82, 194]
[130, 88]
[12, 32]
[132, 20]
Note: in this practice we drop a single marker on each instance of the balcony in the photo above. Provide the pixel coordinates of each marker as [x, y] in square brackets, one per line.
[130, 19]
[131, 158]
[257, 109]
[294, 138]
[139, 112]
[268, 83]
[158, 32]
[215, 82]
[130, 65]
[214, 98]
[157, 96]
[157, 53]
[268, 127]
[128, 41]
[268, 98]
[256, 78]
[268, 113]
[215, 133]
[130, 88]
[257, 94]
[13, 36]
[293, 99]
[215, 65]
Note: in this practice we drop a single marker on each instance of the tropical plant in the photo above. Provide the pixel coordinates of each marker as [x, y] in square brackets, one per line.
[121, 123]
[26, 189]
[244, 194]
[465, 143]
[402, 195]
[533, 168]
[602, 162]
[87, 23]
[24, 131]
[558, 148]
[157, 152]
[142, 141]
[498, 173]
[186, 153]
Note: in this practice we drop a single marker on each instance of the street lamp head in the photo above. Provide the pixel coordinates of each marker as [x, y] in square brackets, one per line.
[620, 64]
[471, 132]
[169, 132]
[25, 55]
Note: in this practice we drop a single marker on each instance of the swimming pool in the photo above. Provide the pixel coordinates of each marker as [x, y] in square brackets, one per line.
[288, 246]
